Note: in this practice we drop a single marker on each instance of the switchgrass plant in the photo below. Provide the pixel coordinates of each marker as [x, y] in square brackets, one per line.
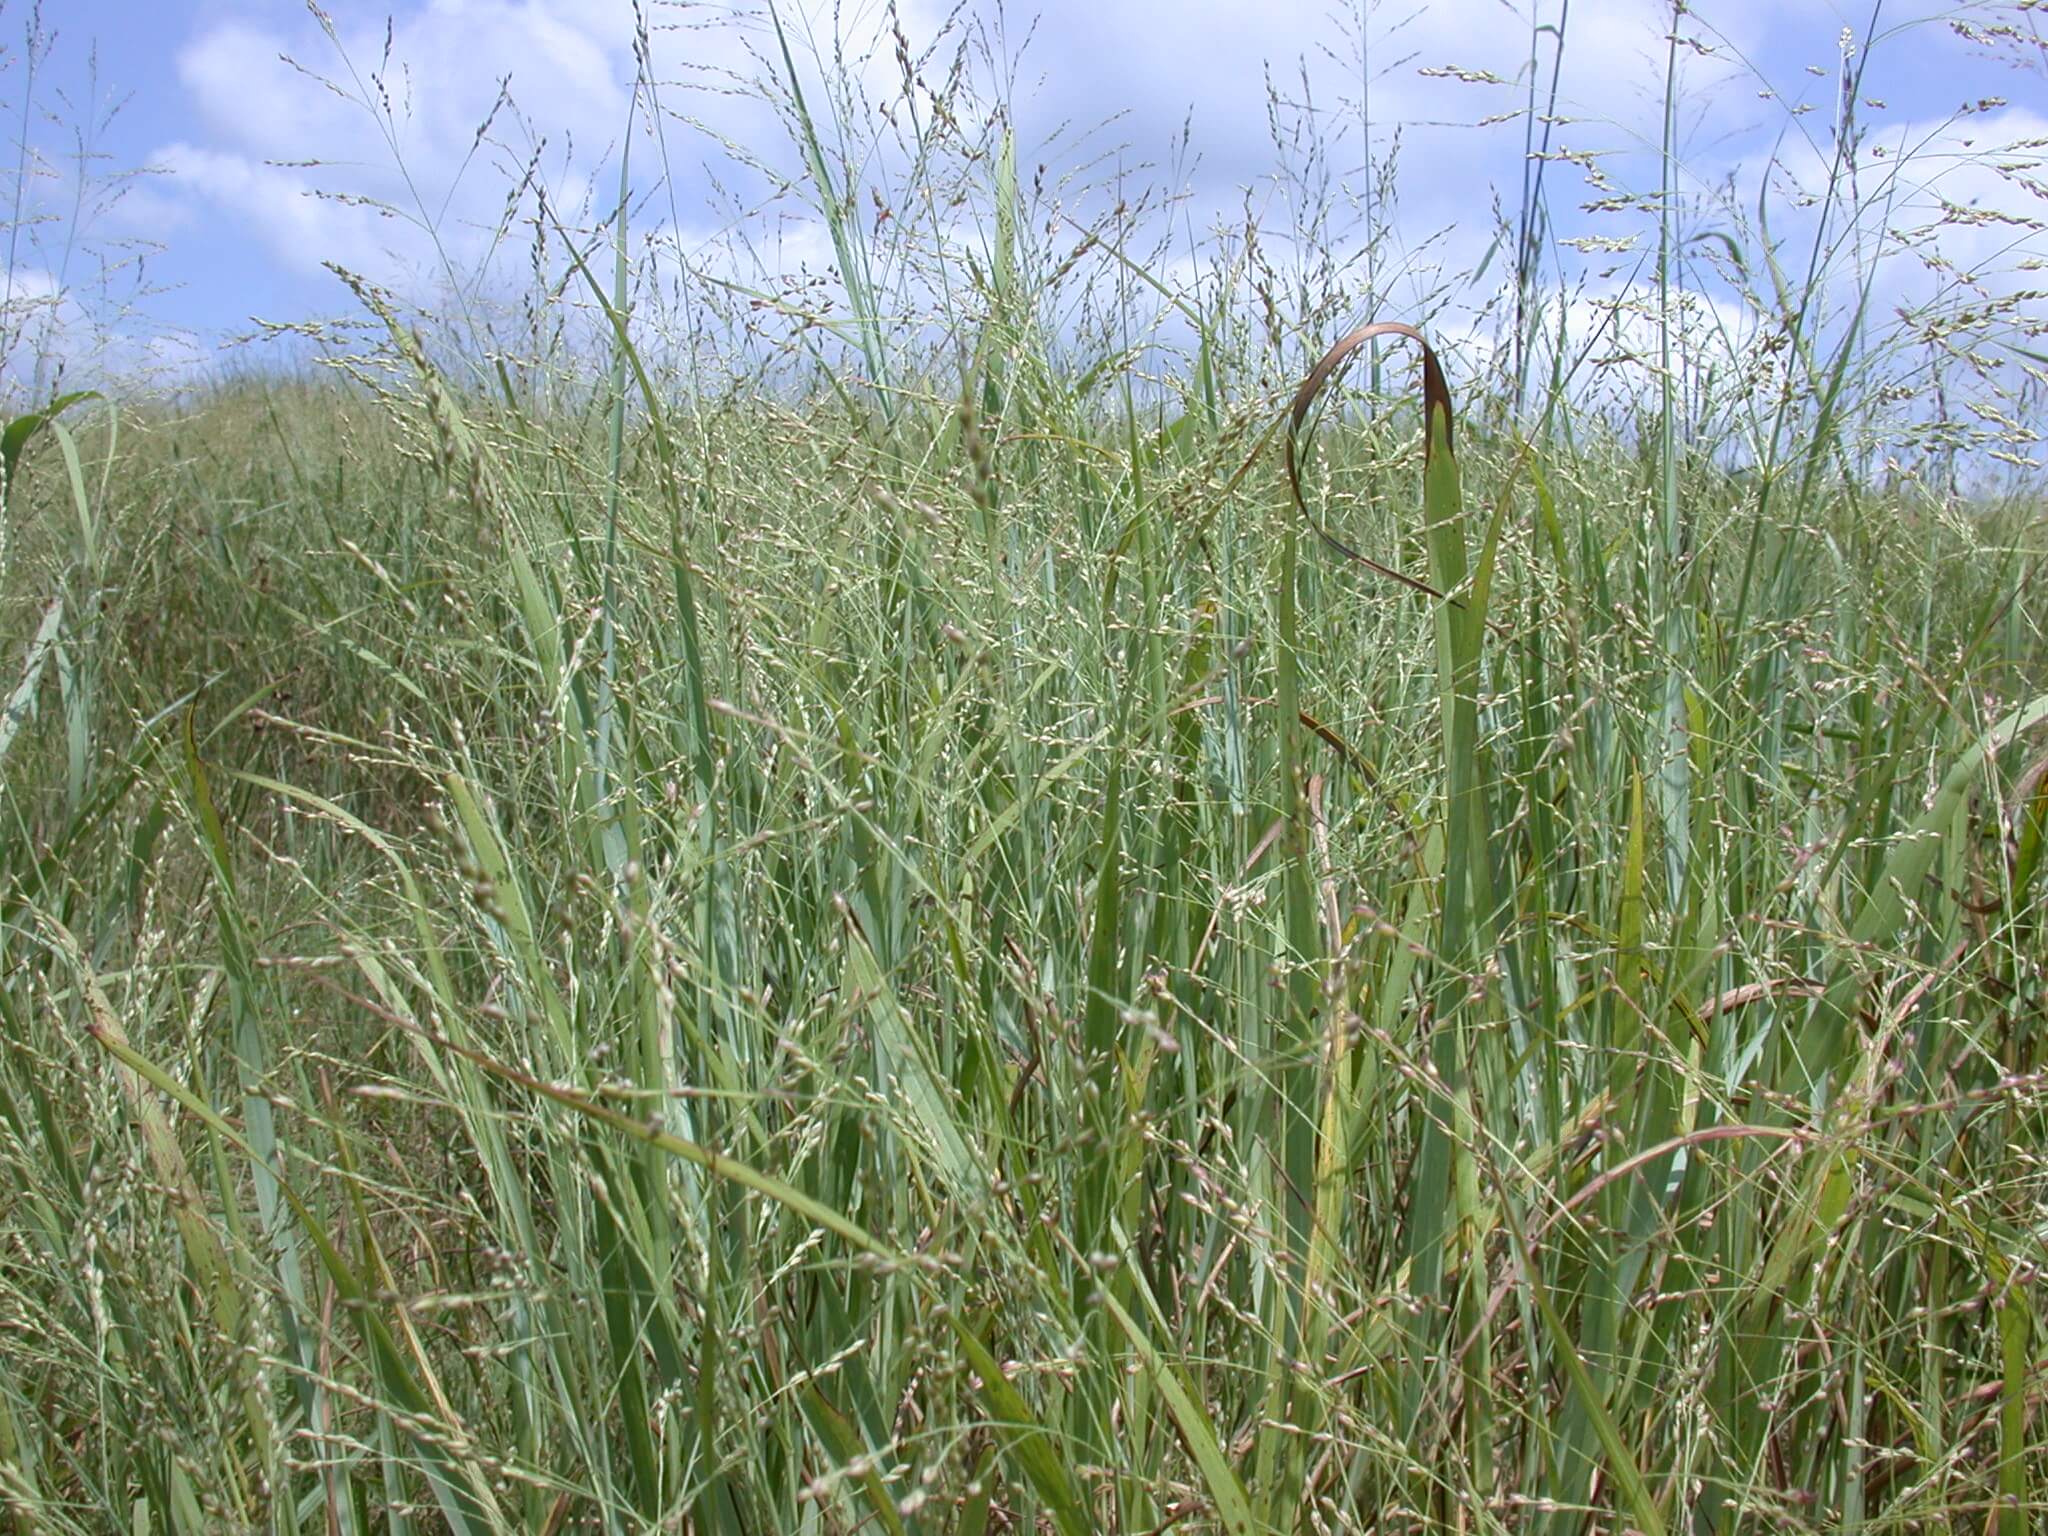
[939, 951]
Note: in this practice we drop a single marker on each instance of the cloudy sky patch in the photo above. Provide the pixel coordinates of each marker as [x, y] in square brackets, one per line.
[278, 138]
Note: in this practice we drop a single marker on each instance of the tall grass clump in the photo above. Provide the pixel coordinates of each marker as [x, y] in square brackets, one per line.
[1039, 890]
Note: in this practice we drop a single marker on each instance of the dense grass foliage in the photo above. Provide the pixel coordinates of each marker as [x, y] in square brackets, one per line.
[970, 975]
[906, 905]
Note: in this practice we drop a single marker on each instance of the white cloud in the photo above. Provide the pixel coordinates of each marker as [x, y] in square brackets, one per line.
[280, 207]
[331, 149]
[52, 337]
[1940, 207]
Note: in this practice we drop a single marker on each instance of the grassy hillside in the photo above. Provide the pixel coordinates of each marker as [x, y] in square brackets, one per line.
[974, 976]
[929, 904]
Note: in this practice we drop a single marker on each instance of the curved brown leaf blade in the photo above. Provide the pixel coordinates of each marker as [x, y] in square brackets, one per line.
[1436, 396]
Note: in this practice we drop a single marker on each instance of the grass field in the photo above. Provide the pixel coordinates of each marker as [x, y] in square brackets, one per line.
[914, 952]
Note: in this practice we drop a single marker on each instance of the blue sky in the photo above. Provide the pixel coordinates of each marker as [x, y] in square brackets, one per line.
[239, 229]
